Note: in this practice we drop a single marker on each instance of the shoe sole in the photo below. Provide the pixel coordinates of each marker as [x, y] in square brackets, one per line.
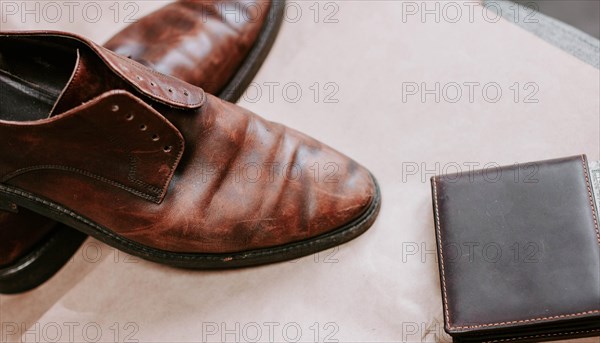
[192, 260]
[47, 258]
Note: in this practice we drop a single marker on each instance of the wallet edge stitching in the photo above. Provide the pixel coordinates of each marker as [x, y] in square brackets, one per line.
[590, 197]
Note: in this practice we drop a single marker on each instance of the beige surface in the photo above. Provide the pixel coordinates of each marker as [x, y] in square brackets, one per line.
[363, 291]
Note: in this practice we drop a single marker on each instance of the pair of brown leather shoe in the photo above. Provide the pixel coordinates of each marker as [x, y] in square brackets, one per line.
[153, 165]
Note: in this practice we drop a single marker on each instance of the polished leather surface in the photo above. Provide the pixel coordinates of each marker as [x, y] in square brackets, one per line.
[202, 42]
[519, 246]
[167, 175]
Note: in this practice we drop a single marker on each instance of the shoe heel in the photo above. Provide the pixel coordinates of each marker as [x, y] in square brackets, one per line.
[8, 206]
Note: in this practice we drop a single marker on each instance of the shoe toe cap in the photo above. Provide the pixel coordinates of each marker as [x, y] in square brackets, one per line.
[344, 198]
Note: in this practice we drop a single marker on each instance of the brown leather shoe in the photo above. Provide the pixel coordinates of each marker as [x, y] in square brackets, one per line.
[240, 34]
[160, 169]
[225, 41]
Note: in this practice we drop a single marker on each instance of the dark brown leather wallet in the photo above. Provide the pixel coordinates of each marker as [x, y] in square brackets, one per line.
[519, 251]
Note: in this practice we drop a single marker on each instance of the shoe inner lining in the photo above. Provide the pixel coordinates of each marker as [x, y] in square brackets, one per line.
[32, 77]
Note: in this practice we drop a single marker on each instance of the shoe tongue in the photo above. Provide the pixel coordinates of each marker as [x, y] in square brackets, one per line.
[87, 81]
[99, 70]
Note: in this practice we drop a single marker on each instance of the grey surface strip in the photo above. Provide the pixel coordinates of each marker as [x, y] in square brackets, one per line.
[576, 42]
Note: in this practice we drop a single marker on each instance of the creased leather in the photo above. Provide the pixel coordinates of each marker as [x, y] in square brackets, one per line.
[195, 42]
[207, 207]
[207, 56]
